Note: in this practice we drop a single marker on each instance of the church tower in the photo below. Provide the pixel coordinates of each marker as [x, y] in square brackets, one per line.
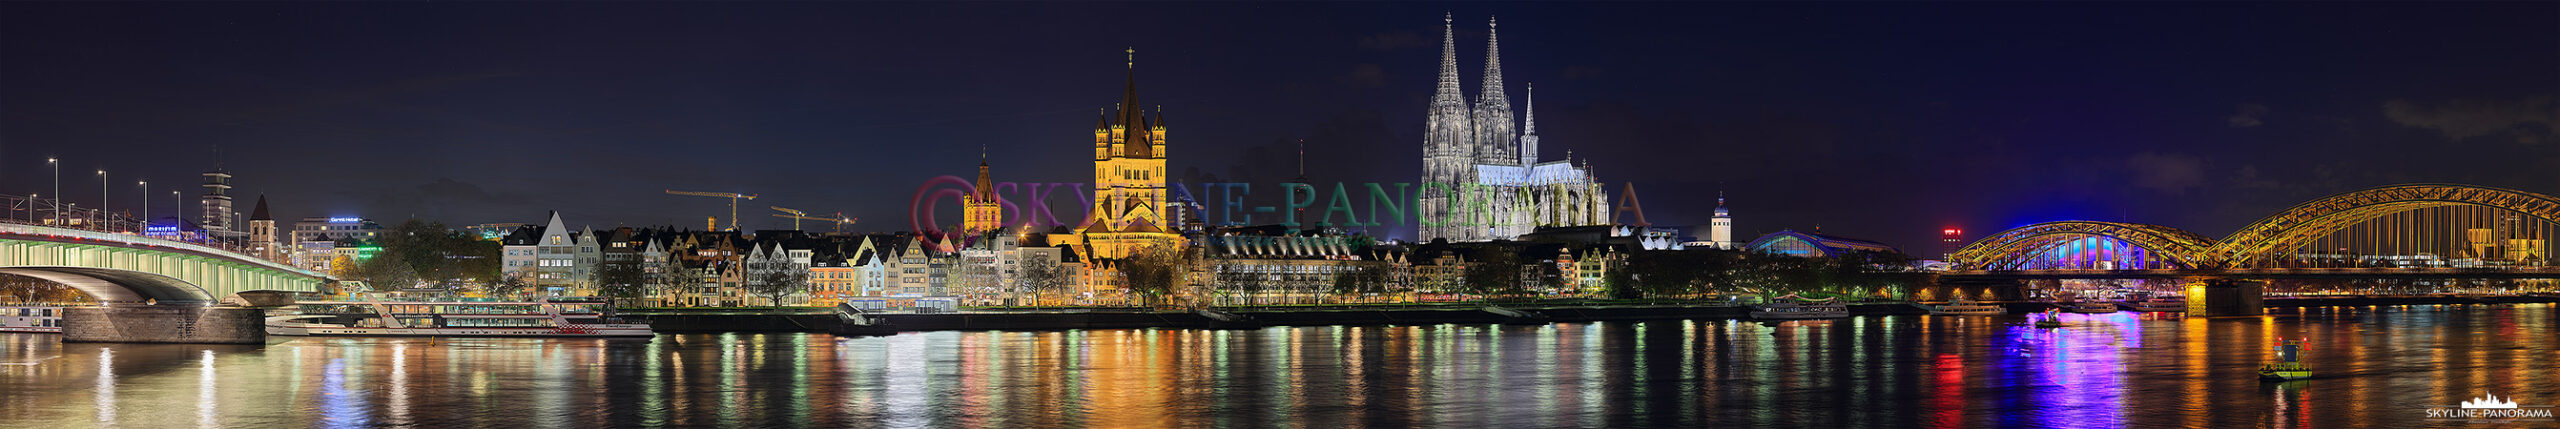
[1721, 233]
[1128, 210]
[262, 233]
[1448, 147]
[1494, 135]
[984, 211]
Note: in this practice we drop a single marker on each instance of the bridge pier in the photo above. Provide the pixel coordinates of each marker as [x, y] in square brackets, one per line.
[164, 324]
[2226, 297]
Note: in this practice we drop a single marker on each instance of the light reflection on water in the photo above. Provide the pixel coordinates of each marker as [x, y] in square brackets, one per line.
[2378, 366]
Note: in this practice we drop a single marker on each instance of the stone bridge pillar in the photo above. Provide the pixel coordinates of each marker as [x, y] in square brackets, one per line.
[2208, 296]
[164, 324]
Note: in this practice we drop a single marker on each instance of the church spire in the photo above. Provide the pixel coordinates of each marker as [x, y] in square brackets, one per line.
[1492, 92]
[1449, 91]
[1529, 113]
[1529, 128]
[1496, 136]
[1133, 116]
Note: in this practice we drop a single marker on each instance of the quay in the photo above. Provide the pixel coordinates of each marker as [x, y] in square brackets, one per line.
[820, 320]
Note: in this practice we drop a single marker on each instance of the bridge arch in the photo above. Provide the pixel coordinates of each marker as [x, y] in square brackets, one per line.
[114, 285]
[2018, 247]
[2294, 227]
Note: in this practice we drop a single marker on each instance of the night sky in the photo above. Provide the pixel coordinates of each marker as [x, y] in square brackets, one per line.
[1884, 122]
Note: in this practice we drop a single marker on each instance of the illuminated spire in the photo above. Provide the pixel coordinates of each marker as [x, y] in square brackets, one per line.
[1449, 91]
[1492, 68]
[1529, 128]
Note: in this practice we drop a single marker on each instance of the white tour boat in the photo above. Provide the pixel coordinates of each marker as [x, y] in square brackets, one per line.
[555, 317]
[1793, 307]
[1961, 307]
[31, 319]
[2149, 303]
[2089, 306]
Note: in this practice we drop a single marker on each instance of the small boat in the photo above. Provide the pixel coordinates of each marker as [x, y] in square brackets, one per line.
[1517, 317]
[1792, 307]
[2288, 364]
[1961, 307]
[1225, 320]
[2148, 303]
[31, 319]
[553, 317]
[2052, 319]
[853, 321]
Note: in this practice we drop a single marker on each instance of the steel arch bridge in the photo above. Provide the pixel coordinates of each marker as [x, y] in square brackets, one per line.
[125, 268]
[2294, 227]
[2012, 249]
[2254, 245]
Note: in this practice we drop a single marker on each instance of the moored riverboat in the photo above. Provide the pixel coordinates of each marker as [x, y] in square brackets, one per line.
[553, 317]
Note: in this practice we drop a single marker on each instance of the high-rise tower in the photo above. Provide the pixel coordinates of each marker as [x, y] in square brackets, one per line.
[216, 218]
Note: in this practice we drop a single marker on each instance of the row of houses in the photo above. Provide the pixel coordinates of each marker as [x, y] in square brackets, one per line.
[1227, 266]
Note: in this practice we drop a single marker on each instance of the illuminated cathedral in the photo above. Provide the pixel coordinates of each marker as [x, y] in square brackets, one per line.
[1482, 178]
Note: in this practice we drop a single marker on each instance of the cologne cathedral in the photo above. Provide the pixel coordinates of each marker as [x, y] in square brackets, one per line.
[1481, 178]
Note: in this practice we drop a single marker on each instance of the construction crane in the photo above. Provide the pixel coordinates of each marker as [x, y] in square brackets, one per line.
[733, 202]
[796, 216]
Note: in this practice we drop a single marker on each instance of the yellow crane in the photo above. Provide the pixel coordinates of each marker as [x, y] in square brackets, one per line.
[733, 202]
[796, 216]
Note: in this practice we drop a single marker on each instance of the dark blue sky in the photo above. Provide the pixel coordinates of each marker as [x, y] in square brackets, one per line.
[1879, 121]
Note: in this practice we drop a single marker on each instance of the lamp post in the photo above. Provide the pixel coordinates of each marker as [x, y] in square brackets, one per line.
[146, 205]
[57, 188]
[102, 199]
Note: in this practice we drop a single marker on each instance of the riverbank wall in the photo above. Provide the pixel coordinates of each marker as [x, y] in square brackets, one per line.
[724, 321]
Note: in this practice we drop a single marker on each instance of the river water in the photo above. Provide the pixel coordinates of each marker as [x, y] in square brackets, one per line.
[2377, 367]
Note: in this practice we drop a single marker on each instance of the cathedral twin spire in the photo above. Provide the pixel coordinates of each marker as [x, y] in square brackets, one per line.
[1483, 130]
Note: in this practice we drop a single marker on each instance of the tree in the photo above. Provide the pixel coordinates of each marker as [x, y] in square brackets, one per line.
[1155, 271]
[509, 286]
[419, 253]
[777, 282]
[1045, 276]
[620, 281]
[1492, 270]
[1362, 280]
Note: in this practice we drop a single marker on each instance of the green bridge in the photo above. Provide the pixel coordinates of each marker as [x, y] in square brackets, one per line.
[122, 269]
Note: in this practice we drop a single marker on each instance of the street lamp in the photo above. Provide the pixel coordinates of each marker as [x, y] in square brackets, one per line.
[146, 204]
[102, 200]
[57, 187]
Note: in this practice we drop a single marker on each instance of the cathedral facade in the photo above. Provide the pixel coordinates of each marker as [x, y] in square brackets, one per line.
[1481, 178]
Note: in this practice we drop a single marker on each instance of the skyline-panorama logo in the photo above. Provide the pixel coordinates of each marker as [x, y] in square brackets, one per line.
[2489, 408]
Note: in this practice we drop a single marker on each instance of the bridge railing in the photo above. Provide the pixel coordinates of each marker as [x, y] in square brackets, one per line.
[231, 252]
[53, 213]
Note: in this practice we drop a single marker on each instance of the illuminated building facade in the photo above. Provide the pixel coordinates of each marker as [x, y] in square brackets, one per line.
[983, 210]
[216, 203]
[1812, 245]
[1720, 233]
[1481, 178]
[1128, 213]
